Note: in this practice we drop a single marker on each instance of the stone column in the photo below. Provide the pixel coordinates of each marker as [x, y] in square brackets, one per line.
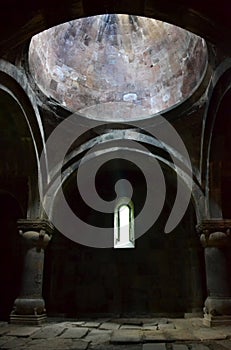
[29, 307]
[216, 239]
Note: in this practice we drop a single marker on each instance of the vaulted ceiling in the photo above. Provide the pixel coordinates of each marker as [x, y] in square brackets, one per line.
[117, 67]
[21, 20]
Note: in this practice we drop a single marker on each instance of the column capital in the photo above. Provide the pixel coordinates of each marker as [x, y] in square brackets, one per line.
[215, 232]
[35, 225]
[36, 233]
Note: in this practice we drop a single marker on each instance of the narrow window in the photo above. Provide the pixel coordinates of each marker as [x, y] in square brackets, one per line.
[124, 225]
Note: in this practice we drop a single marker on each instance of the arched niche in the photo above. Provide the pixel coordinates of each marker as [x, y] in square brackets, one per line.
[220, 163]
[215, 157]
[19, 170]
[218, 171]
[163, 275]
[18, 184]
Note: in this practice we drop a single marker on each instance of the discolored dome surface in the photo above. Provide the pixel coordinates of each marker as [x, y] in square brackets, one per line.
[117, 67]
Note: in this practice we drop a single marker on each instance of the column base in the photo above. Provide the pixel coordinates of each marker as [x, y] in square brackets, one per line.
[212, 321]
[27, 319]
[218, 306]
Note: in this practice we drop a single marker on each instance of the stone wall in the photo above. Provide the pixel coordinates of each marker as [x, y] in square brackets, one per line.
[162, 275]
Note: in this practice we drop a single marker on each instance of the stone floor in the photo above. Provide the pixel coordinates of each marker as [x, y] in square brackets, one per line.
[113, 334]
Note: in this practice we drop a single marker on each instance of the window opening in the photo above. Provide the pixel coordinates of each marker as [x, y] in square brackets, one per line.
[124, 225]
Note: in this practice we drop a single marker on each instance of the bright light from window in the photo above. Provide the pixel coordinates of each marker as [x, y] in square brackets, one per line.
[124, 213]
[124, 227]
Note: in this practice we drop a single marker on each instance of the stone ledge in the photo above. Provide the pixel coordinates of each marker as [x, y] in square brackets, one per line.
[28, 319]
[212, 321]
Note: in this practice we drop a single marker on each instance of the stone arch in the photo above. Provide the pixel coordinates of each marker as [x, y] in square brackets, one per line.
[73, 159]
[215, 124]
[26, 126]
[142, 299]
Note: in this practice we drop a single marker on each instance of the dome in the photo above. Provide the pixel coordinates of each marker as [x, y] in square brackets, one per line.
[117, 67]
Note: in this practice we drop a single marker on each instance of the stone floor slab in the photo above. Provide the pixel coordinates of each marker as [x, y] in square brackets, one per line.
[74, 324]
[116, 347]
[34, 348]
[160, 346]
[22, 331]
[4, 329]
[56, 343]
[130, 326]
[153, 335]
[155, 321]
[38, 341]
[14, 343]
[65, 336]
[92, 324]
[209, 334]
[225, 343]
[150, 327]
[196, 322]
[109, 326]
[131, 321]
[78, 323]
[166, 326]
[3, 323]
[179, 347]
[200, 347]
[98, 336]
[126, 336]
[179, 334]
[79, 345]
[4, 339]
[48, 332]
[74, 332]
[182, 323]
